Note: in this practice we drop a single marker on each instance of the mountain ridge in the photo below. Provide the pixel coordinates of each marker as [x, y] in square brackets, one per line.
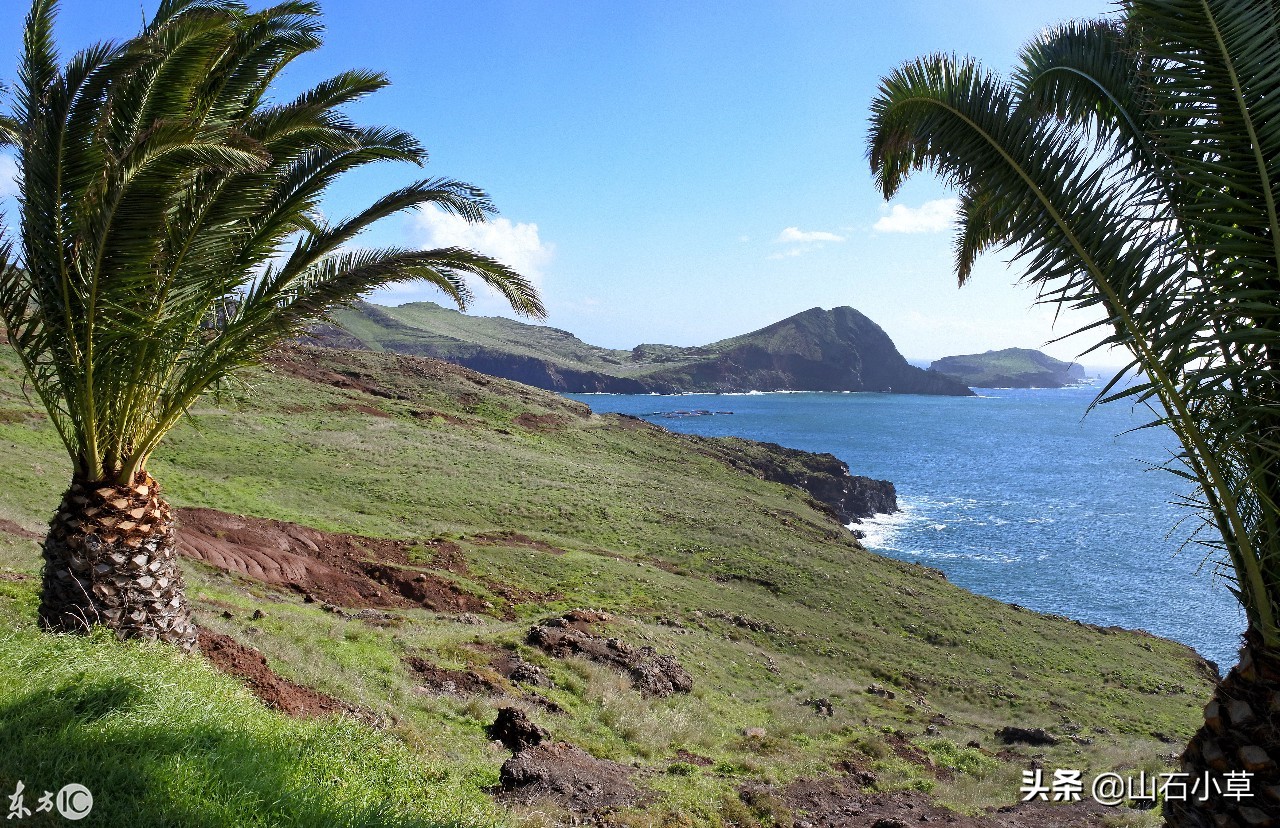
[816, 350]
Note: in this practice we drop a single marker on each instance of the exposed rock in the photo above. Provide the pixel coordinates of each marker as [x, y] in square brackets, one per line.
[568, 776]
[650, 673]
[516, 730]
[511, 666]
[452, 682]
[1026, 736]
[823, 476]
[441, 680]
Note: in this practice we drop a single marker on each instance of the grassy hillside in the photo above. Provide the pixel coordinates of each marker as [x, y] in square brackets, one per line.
[408, 328]
[767, 602]
[1009, 368]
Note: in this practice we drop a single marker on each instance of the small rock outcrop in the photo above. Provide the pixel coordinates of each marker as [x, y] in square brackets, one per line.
[568, 776]
[516, 730]
[650, 672]
[823, 476]
[1026, 736]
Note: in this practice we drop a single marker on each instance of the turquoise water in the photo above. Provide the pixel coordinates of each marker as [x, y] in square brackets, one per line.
[1015, 494]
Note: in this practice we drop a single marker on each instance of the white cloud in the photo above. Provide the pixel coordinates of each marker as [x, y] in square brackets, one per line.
[930, 217]
[516, 245]
[788, 254]
[794, 235]
[8, 176]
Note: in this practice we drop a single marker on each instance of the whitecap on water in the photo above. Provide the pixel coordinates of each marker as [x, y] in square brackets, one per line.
[880, 533]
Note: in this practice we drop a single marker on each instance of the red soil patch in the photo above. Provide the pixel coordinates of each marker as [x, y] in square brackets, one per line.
[683, 755]
[250, 666]
[363, 409]
[448, 556]
[347, 570]
[439, 679]
[453, 682]
[304, 364]
[11, 528]
[541, 423]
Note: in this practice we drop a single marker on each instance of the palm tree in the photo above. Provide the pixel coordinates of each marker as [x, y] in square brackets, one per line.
[156, 180]
[1133, 166]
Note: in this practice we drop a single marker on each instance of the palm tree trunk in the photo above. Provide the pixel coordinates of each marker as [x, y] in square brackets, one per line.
[110, 558]
[1240, 735]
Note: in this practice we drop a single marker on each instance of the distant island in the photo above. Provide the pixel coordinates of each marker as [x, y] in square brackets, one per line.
[1010, 368]
[817, 350]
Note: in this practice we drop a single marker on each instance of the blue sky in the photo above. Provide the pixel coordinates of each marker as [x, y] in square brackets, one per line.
[669, 171]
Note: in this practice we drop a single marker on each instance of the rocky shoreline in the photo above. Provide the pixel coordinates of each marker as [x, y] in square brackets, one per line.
[824, 477]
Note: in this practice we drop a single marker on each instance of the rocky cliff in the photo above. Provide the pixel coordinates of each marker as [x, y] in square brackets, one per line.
[825, 477]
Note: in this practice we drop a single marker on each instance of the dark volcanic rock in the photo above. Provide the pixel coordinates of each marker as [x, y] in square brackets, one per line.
[511, 666]
[515, 730]
[567, 775]
[650, 673]
[1026, 736]
[824, 477]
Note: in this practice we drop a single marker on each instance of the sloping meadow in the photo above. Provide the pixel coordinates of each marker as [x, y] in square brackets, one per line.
[809, 656]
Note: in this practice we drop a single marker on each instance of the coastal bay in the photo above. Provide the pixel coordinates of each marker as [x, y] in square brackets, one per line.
[1015, 494]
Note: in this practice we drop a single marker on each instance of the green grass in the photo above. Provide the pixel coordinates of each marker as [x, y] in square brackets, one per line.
[671, 541]
[1011, 366]
[162, 739]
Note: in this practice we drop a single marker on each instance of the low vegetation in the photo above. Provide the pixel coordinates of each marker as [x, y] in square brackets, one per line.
[771, 605]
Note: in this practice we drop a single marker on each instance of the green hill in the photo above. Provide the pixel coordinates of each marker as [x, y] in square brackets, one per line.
[1010, 368]
[470, 508]
[817, 350]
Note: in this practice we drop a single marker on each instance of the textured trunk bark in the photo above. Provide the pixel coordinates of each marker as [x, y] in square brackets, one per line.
[1240, 735]
[110, 558]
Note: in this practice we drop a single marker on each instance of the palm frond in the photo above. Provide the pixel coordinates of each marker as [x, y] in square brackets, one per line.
[1088, 170]
[158, 180]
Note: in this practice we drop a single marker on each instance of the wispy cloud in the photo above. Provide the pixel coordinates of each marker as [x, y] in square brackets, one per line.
[930, 217]
[516, 245]
[794, 235]
[802, 241]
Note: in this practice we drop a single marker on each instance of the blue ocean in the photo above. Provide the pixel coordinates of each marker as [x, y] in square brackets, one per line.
[1015, 494]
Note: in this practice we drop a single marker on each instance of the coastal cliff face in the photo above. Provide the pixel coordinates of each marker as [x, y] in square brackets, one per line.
[825, 477]
[817, 350]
